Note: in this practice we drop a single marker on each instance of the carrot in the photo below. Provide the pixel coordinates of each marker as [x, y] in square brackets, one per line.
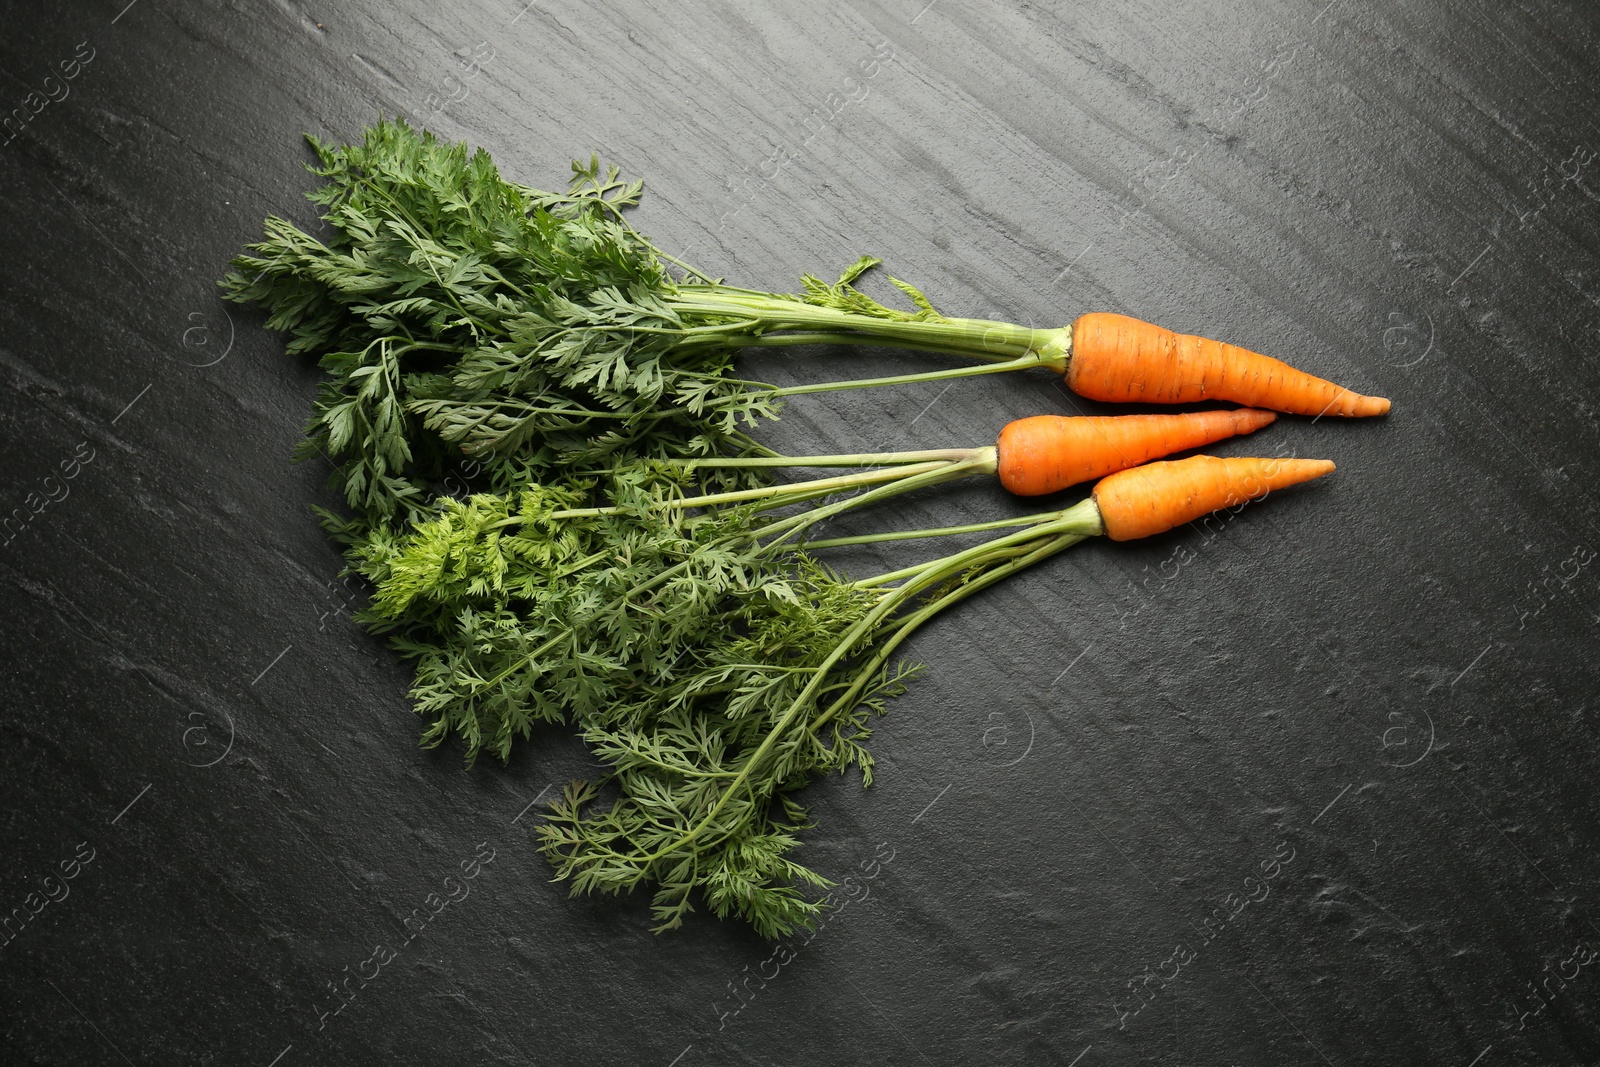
[1047, 453]
[1117, 358]
[1032, 457]
[1159, 496]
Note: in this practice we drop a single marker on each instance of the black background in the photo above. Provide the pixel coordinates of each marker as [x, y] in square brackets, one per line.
[1385, 676]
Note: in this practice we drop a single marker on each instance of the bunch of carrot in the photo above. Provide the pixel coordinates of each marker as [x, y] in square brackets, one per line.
[632, 568]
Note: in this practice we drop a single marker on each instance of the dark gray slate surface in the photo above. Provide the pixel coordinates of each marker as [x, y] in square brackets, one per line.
[1375, 690]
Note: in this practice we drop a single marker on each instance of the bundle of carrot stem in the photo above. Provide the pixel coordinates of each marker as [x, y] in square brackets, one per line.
[630, 567]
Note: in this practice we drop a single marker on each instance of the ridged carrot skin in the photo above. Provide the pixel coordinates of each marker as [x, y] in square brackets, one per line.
[1160, 496]
[1120, 359]
[1048, 453]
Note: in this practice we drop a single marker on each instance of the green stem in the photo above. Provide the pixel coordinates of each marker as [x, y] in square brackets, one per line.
[860, 459]
[917, 535]
[1022, 362]
[839, 337]
[1021, 559]
[975, 338]
[816, 486]
[787, 528]
[1084, 515]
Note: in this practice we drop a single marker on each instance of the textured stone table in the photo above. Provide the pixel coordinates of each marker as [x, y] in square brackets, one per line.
[1313, 785]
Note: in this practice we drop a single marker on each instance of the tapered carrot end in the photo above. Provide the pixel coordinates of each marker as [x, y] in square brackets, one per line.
[1157, 497]
[1249, 420]
[1348, 405]
[1282, 473]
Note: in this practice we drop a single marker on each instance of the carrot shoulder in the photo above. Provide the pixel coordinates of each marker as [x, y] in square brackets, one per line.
[1117, 358]
[1160, 496]
[1048, 453]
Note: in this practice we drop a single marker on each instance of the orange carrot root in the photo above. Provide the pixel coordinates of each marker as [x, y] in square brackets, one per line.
[1048, 453]
[1116, 358]
[1160, 496]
